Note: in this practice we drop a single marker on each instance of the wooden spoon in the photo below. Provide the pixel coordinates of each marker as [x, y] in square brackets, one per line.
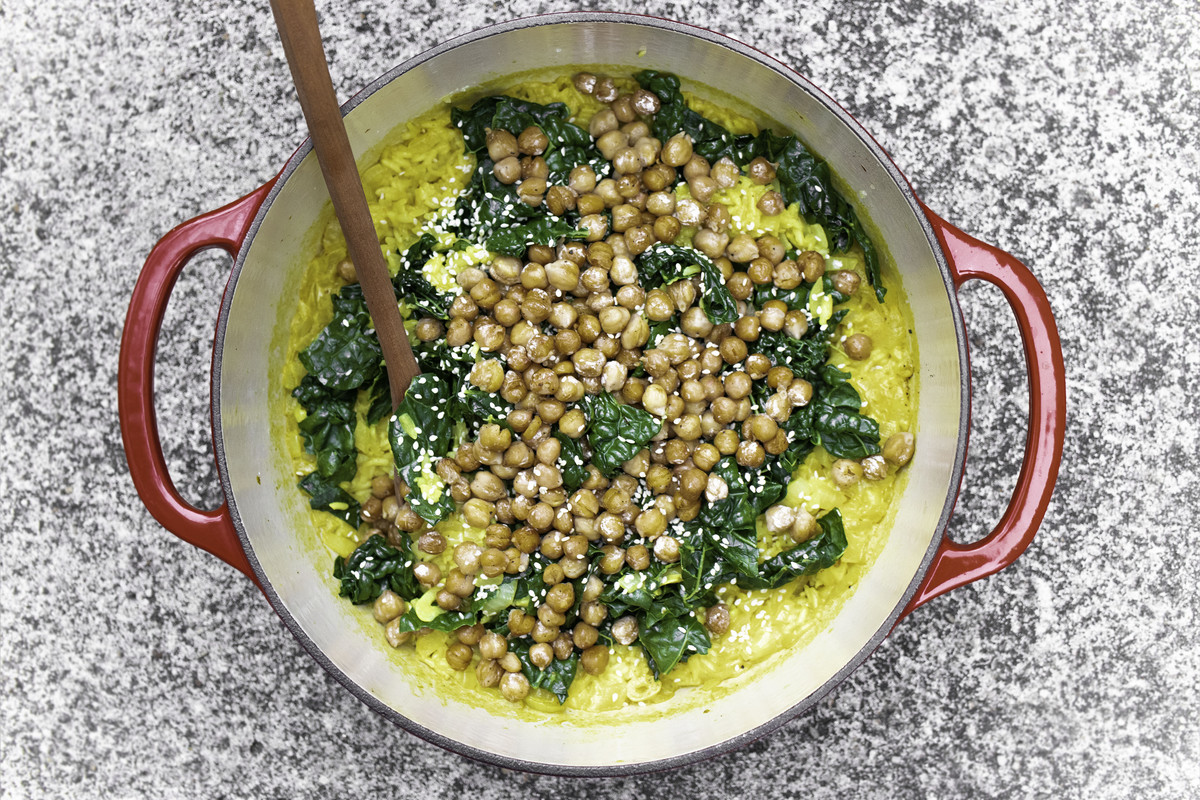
[297, 24]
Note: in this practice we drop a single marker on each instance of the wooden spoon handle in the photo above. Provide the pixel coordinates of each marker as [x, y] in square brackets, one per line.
[297, 24]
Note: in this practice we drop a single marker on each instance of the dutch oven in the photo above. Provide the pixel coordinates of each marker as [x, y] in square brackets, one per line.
[256, 530]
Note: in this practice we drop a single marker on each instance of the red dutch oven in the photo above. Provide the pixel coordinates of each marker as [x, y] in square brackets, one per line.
[261, 528]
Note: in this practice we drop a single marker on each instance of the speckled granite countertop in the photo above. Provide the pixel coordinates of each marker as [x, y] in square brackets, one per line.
[134, 665]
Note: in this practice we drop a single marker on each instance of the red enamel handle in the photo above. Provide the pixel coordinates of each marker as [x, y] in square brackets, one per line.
[209, 530]
[957, 564]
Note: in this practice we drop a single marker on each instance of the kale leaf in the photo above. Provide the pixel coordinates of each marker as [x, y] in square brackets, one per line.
[483, 407]
[573, 463]
[328, 428]
[446, 622]
[326, 495]
[513, 240]
[374, 566]
[838, 423]
[672, 640]
[807, 558]
[421, 432]
[344, 358]
[346, 354]
[410, 282]
[802, 356]
[616, 432]
[666, 263]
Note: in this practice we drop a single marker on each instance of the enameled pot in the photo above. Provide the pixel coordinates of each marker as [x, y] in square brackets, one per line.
[257, 529]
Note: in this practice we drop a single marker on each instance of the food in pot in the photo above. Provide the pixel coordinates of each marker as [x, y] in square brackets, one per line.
[662, 404]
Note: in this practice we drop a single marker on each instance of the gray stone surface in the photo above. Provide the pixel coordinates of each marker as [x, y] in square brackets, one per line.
[133, 665]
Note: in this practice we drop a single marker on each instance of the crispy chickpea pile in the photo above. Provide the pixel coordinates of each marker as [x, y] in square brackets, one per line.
[570, 321]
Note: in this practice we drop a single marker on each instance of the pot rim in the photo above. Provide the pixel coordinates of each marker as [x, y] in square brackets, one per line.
[782, 717]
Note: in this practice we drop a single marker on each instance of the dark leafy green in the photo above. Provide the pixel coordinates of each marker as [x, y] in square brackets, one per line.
[616, 432]
[802, 356]
[421, 432]
[485, 407]
[838, 423]
[491, 212]
[808, 558]
[411, 284]
[326, 495]
[672, 640]
[328, 428]
[446, 622]
[345, 355]
[344, 358]
[374, 566]
[572, 462]
[666, 263]
[513, 240]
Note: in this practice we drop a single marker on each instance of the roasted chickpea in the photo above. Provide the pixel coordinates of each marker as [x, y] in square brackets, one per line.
[899, 447]
[858, 346]
[761, 171]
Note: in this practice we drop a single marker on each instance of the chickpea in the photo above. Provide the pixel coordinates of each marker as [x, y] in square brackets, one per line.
[846, 472]
[717, 619]
[561, 597]
[594, 660]
[677, 151]
[846, 281]
[427, 573]
[804, 527]
[429, 329]
[532, 141]
[733, 350]
[761, 271]
[811, 264]
[710, 242]
[488, 673]
[666, 549]
[787, 275]
[388, 606]
[899, 447]
[625, 630]
[507, 170]
[760, 427]
[858, 346]
[771, 203]
[747, 328]
[874, 468]
[750, 454]
[795, 324]
[689, 212]
[740, 285]
[761, 171]
[725, 173]
[431, 542]
[458, 656]
[514, 687]
[500, 144]
[493, 645]
[346, 271]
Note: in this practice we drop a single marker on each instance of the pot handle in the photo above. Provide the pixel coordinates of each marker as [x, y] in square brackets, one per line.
[955, 564]
[209, 530]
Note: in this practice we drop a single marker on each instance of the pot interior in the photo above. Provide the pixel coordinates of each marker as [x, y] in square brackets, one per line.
[269, 510]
